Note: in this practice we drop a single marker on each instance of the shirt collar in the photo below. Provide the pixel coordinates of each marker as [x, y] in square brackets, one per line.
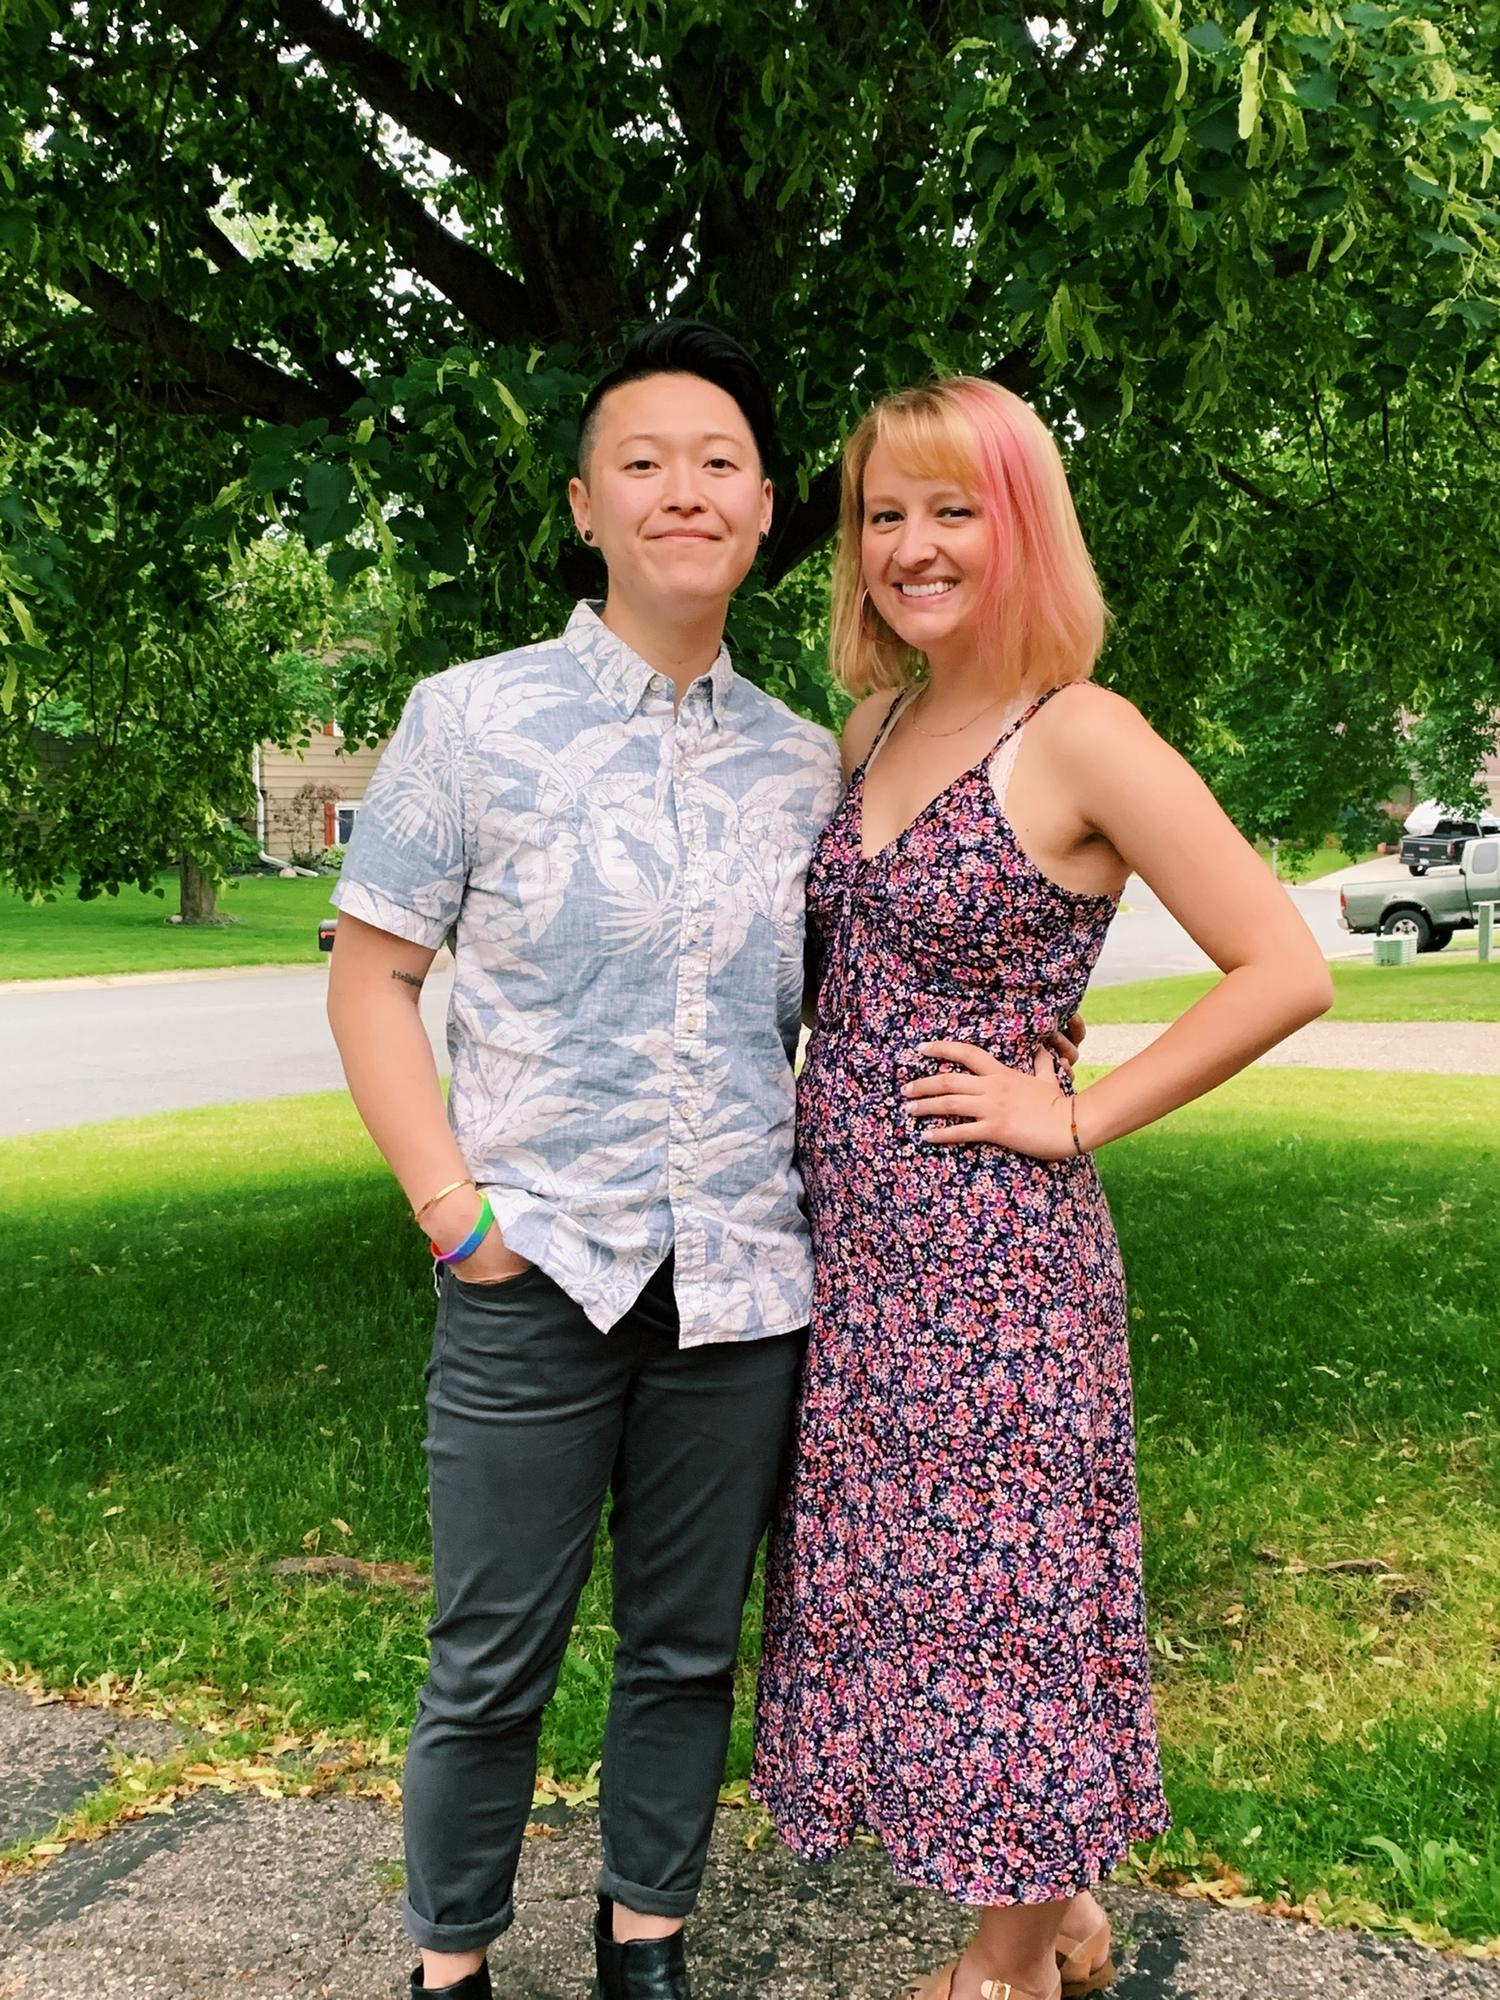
[620, 673]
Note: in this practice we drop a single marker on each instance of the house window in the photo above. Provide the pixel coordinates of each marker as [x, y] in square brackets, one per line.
[347, 809]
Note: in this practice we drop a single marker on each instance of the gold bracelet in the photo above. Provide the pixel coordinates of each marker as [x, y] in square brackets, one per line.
[433, 1199]
[1073, 1107]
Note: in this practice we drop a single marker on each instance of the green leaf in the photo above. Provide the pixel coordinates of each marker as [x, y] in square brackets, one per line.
[1318, 203]
[1250, 90]
[512, 406]
[1439, 245]
[1481, 314]
[1218, 129]
[325, 486]
[345, 564]
[1319, 88]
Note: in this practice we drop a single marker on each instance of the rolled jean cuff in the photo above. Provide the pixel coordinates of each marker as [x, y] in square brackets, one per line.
[647, 1902]
[428, 1936]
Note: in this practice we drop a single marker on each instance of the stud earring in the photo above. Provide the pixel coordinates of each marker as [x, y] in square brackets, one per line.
[763, 534]
[588, 534]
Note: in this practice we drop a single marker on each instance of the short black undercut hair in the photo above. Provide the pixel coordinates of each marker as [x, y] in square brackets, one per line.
[686, 347]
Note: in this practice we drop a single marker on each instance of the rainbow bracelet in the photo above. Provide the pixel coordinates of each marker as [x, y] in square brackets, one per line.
[471, 1242]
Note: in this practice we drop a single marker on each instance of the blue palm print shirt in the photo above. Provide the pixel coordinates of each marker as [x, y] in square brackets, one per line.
[624, 889]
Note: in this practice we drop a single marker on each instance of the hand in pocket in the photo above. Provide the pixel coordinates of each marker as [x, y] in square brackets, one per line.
[493, 1263]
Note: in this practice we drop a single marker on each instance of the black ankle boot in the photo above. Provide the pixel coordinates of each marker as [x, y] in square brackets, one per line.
[644, 1969]
[475, 1986]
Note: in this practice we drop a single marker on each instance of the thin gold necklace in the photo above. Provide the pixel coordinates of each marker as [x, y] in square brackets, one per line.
[917, 729]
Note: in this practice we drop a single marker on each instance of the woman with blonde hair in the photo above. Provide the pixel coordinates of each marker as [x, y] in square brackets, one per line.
[955, 1647]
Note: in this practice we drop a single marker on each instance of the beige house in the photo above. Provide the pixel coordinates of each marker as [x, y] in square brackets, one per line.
[1490, 776]
[284, 827]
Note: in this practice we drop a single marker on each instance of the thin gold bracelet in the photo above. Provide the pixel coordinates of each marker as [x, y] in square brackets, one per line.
[1073, 1107]
[433, 1199]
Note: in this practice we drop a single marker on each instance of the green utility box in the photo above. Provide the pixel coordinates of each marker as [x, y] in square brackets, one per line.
[1398, 950]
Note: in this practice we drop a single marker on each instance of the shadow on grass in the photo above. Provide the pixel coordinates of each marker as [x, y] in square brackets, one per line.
[217, 1325]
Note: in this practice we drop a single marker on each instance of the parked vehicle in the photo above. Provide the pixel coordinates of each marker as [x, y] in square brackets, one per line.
[1444, 842]
[1432, 909]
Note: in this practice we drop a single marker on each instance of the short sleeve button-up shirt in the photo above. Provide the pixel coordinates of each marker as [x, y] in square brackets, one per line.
[623, 887]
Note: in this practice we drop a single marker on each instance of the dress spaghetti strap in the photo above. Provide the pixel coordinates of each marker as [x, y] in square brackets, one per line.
[902, 695]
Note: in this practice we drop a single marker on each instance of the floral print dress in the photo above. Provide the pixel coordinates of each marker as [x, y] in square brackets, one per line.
[955, 1651]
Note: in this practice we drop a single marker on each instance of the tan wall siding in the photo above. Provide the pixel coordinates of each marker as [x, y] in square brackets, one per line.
[325, 762]
[1491, 776]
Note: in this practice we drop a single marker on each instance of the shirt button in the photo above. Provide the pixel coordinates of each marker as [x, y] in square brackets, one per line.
[657, 684]
[690, 1025]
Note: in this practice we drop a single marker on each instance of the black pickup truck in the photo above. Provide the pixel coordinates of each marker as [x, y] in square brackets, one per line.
[1445, 843]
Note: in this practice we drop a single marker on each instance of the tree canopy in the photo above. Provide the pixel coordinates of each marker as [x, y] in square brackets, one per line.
[349, 269]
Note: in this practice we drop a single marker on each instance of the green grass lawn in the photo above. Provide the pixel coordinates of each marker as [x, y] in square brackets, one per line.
[276, 923]
[217, 1323]
[1309, 867]
[1442, 987]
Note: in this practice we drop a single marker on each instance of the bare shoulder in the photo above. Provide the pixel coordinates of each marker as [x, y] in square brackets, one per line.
[1084, 725]
[862, 726]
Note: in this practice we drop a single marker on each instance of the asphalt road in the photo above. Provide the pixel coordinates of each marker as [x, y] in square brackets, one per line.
[73, 1052]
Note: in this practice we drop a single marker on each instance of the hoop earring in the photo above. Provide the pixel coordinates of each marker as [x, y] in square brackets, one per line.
[762, 534]
[864, 598]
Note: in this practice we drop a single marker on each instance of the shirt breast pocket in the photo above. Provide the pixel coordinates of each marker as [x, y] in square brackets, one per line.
[772, 870]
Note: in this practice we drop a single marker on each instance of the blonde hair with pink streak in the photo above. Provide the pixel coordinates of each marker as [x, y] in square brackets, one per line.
[1041, 613]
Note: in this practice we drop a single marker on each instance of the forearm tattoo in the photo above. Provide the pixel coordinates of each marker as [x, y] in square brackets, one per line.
[408, 979]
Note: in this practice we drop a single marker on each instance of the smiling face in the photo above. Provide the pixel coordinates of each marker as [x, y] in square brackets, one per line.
[926, 547]
[674, 495]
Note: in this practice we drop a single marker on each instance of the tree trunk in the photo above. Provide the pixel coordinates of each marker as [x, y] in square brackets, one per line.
[197, 905]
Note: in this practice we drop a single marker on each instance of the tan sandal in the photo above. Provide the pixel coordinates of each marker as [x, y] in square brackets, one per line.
[939, 1986]
[1073, 1955]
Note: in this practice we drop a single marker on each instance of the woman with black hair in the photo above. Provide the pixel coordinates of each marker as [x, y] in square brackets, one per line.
[614, 827]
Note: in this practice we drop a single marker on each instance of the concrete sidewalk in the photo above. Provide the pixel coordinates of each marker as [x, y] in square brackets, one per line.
[232, 1896]
[1436, 1048]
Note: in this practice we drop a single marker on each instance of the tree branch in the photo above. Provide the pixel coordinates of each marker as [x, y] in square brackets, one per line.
[1272, 503]
[240, 383]
[497, 304]
[563, 252]
[83, 392]
[1317, 403]
[194, 220]
[439, 121]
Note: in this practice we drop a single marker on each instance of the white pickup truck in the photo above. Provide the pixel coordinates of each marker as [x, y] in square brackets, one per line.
[1430, 907]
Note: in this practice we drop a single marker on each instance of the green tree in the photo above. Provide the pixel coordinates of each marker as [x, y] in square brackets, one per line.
[351, 269]
[166, 661]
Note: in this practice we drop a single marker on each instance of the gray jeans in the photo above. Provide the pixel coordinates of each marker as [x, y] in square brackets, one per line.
[534, 1416]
